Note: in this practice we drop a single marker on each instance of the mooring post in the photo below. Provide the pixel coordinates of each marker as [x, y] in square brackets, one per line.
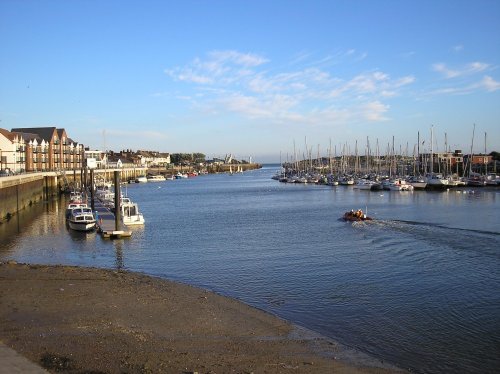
[117, 200]
[85, 178]
[17, 198]
[92, 189]
[46, 187]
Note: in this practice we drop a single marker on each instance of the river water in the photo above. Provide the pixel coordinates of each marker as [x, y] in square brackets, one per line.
[418, 287]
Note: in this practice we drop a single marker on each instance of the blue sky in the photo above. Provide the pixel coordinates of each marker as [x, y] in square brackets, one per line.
[252, 77]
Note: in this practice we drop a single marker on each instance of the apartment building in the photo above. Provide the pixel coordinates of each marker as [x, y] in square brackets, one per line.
[39, 149]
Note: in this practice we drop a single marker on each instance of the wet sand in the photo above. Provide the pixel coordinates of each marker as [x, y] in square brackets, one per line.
[86, 320]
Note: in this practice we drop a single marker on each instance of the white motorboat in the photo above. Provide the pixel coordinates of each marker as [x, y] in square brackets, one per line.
[82, 219]
[156, 178]
[346, 181]
[397, 185]
[454, 181]
[75, 196]
[365, 184]
[492, 179]
[418, 183]
[180, 175]
[74, 205]
[436, 180]
[141, 179]
[130, 213]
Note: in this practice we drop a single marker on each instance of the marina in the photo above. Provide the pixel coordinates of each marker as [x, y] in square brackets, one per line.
[250, 187]
[417, 286]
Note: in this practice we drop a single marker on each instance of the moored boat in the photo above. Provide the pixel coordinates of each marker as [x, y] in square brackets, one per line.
[492, 180]
[82, 219]
[436, 180]
[74, 205]
[76, 196]
[156, 178]
[363, 184]
[130, 213]
[346, 181]
[476, 181]
[180, 175]
[418, 182]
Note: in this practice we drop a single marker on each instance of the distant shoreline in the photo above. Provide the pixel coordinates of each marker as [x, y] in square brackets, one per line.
[87, 319]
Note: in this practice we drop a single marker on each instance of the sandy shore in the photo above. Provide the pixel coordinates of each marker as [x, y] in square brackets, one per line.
[82, 320]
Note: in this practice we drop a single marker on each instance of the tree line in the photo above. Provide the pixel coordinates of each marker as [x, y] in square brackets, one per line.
[187, 158]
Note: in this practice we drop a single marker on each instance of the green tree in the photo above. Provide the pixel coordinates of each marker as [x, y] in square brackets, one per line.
[495, 155]
[187, 158]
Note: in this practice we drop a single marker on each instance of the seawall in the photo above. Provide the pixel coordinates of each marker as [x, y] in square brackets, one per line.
[19, 192]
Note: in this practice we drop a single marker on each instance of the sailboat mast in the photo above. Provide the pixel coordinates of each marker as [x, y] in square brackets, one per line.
[471, 150]
[330, 157]
[446, 151]
[432, 156]
[485, 159]
[418, 152]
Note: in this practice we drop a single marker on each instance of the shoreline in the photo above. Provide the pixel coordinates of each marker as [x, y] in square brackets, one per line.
[77, 319]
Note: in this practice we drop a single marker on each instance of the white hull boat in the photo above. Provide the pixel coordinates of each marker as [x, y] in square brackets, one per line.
[418, 183]
[82, 219]
[156, 178]
[436, 181]
[131, 214]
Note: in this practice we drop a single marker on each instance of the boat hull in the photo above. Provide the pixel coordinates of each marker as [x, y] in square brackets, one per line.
[82, 226]
[351, 217]
[419, 185]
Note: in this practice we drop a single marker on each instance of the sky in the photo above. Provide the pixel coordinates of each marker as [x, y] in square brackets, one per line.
[264, 79]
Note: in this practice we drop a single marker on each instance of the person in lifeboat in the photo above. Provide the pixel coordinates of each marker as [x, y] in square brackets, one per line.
[358, 214]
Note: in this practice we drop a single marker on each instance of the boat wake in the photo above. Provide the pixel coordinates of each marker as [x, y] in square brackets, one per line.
[441, 226]
[412, 237]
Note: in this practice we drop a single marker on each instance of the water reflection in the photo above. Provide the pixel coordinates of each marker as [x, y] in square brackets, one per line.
[118, 244]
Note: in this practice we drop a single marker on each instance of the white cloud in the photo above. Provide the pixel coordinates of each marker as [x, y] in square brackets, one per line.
[475, 67]
[220, 67]
[362, 56]
[448, 73]
[374, 111]
[244, 59]
[468, 69]
[300, 57]
[240, 83]
[188, 75]
[458, 48]
[489, 84]
[404, 81]
[275, 106]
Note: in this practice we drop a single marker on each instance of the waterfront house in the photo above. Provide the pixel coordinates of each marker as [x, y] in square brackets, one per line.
[12, 152]
[101, 158]
[45, 149]
[151, 158]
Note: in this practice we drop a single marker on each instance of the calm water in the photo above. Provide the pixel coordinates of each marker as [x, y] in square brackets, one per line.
[419, 287]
